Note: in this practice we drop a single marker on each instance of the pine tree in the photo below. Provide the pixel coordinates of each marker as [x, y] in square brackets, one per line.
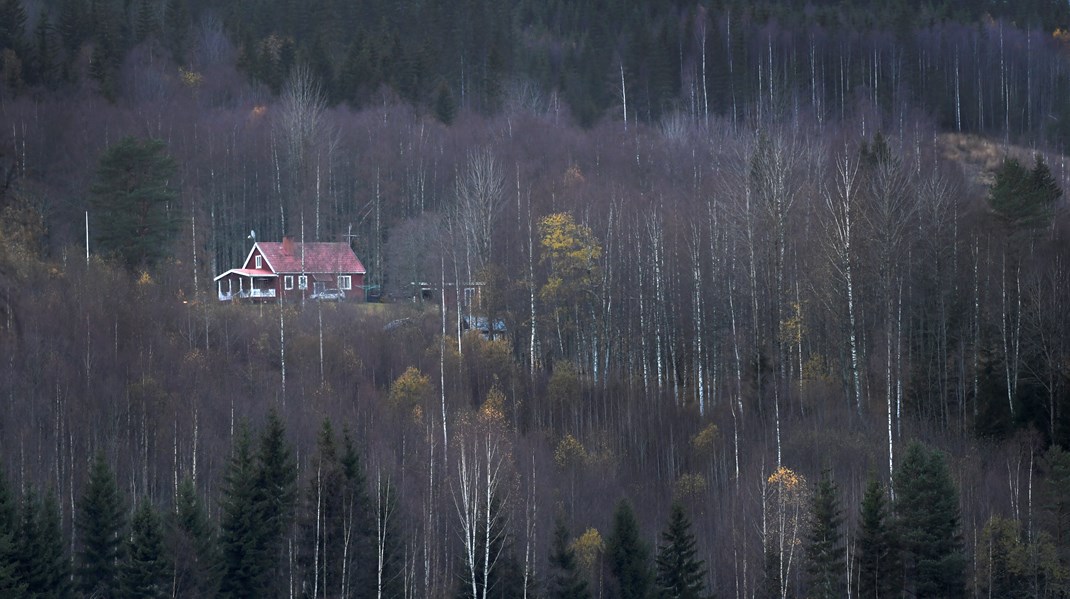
[825, 551]
[192, 544]
[628, 555]
[680, 575]
[132, 202]
[144, 571]
[879, 573]
[566, 579]
[43, 567]
[927, 517]
[101, 527]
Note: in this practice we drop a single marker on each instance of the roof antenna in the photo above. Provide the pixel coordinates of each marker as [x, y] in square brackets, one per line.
[252, 235]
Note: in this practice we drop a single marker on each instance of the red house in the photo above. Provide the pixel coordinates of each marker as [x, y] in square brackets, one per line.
[293, 270]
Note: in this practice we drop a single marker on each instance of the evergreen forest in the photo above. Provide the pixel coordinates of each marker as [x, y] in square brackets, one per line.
[775, 299]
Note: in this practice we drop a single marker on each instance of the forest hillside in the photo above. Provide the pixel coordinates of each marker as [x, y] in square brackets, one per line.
[776, 292]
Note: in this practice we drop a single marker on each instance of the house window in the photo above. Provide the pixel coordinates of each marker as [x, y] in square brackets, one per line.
[302, 282]
[345, 282]
[288, 282]
[259, 262]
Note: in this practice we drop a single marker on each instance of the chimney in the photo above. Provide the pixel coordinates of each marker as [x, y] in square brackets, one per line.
[287, 246]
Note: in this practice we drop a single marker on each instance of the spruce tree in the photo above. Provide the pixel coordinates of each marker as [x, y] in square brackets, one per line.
[566, 580]
[825, 552]
[323, 531]
[505, 578]
[176, 25]
[192, 543]
[10, 584]
[679, 574]
[13, 27]
[43, 567]
[145, 571]
[243, 568]
[927, 517]
[628, 555]
[276, 495]
[101, 525]
[1055, 498]
[1024, 199]
[387, 541]
[357, 513]
[879, 572]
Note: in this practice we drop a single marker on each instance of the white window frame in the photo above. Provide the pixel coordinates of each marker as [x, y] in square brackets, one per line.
[302, 281]
[345, 282]
[288, 282]
[260, 262]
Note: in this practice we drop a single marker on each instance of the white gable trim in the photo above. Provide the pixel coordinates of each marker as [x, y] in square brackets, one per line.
[256, 246]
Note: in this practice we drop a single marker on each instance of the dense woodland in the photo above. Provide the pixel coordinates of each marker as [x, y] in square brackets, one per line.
[784, 290]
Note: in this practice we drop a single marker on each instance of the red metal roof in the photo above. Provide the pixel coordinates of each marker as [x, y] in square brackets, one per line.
[321, 257]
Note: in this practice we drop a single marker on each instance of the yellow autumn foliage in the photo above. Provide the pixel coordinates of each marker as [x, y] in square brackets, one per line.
[410, 388]
[785, 479]
[569, 452]
[492, 411]
[703, 442]
[689, 486]
[588, 548]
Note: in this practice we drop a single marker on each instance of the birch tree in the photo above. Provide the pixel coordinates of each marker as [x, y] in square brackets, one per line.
[841, 201]
[481, 488]
[480, 191]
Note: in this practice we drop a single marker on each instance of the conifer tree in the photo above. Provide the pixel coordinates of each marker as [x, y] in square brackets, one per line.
[242, 561]
[13, 27]
[879, 574]
[147, 21]
[1055, 498]
[176, 21]
[388, 547]
[1024, 199]
[10, 585]
[825, 551]
[628, 555]
[276, 494]
[101, 524]
[679, 574]
[566, 579]
[193, 548]
[323, 529]
[927, 517]
[43, 567]
[505, 579]
[43, 64]
[144, 571]
[131, 203]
